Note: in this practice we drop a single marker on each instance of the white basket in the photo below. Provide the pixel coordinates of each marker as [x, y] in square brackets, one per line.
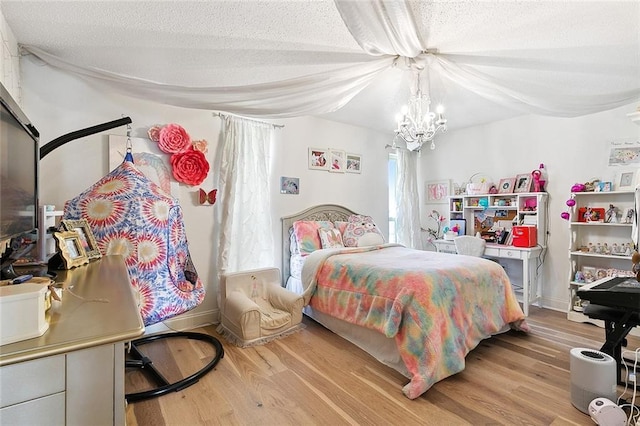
[479, 188]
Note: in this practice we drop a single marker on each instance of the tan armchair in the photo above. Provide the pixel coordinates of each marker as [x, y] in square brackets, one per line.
[255, 308]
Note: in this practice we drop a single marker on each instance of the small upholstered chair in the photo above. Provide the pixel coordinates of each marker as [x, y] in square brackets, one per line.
[469, 245]
[256, 309]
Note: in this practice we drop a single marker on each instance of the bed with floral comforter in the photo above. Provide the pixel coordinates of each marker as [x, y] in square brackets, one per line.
[437, 307]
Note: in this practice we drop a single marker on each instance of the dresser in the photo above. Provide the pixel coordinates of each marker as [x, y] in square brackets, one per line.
[74, 373]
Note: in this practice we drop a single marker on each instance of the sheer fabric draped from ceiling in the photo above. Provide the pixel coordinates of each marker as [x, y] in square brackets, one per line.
[408, 231]
[387, 31]
[246, 237]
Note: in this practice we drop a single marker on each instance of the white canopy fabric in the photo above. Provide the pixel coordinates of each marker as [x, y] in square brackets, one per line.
[391, 35]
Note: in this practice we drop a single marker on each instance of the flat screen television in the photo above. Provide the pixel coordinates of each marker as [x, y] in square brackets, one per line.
[19, 162]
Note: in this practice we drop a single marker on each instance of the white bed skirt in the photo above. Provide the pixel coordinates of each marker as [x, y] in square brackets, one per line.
[374, 343]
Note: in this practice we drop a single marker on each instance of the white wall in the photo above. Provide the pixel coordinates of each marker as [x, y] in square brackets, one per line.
[9, 60]
[572, 149]
[58, 104]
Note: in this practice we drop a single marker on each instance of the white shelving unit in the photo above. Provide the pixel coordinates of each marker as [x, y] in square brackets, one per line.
[587, 253]
[46, 243]
[522, 208]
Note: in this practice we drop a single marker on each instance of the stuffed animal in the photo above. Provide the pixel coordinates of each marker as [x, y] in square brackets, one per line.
[635, 260]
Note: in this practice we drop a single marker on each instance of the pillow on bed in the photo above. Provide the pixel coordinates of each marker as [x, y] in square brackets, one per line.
[306, 232]
[361, 231]
[341, 225]
[330, 238]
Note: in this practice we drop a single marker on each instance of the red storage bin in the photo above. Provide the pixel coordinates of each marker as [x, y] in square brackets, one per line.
[525, 236]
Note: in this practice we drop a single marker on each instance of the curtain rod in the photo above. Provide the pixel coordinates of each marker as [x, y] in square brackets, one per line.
[220, 114]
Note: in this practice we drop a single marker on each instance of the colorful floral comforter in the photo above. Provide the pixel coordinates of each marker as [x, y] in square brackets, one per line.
[437, 306]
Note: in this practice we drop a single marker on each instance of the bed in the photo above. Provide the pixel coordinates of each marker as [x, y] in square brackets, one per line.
[418, 312]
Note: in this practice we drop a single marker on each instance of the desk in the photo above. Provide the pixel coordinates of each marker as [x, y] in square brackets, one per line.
[531, 287]
[74, 372]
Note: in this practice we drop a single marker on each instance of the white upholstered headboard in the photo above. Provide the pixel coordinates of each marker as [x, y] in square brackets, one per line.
[330, 212]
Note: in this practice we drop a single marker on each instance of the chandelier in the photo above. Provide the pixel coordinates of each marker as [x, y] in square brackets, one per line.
[417, 124]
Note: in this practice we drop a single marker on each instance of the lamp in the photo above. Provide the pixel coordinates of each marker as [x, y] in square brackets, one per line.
[417, 124]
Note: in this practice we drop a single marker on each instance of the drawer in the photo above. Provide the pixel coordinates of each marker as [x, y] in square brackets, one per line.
[31, 379]
[49, 410]
[510, 253]
[492, 252]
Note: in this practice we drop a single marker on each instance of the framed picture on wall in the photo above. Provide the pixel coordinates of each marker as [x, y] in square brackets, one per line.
[522, 183]
[289, 185]
[319, 158]
[626, 181]
[337, 163]
[506, 185]
[354, 163]
[437, 191]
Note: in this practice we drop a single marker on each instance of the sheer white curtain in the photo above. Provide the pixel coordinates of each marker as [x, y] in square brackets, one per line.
[246, 234]
[408, 200]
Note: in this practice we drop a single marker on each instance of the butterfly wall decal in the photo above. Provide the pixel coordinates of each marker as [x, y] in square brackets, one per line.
[207, 197]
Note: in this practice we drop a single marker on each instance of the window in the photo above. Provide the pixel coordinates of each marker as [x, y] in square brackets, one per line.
[391, 175]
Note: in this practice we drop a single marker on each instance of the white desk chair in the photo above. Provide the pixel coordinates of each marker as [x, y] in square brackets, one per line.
[469, 245]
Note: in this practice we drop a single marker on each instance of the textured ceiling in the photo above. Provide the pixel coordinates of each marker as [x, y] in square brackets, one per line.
[593, 45]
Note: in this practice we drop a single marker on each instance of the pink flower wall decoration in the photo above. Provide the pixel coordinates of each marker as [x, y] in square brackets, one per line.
[173, 139]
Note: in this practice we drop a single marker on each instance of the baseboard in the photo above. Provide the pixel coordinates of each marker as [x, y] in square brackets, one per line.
[189, 321]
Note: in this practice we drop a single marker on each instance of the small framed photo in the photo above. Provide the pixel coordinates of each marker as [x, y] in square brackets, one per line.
[70, 249]
[628, 216]
[354, 163]
[589, 273]
[81, 227]
[338, 160]
[459, 224]
[626, 181]
[319, 158]
[523, 183]
[289, 185]
[604, 187]
[506, 185]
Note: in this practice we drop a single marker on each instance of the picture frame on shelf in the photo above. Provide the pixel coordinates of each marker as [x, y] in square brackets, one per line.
[604, 187]
[590, 273]
[522, 183]
[506, 185]
[71, 249]
[354, 163]
[88, 241]
[460, 223]
[318, 159]
[337, 163]
[437, 191]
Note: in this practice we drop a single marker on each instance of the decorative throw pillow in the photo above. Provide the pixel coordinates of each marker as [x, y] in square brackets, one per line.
[341, 225]
[306, 232]
[330, 238]
[361, 231]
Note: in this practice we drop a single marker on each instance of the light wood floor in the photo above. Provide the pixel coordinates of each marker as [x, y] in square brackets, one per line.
[315, 377]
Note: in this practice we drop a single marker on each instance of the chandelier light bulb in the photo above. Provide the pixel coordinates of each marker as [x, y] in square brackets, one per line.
[440, 109]
[433, 145]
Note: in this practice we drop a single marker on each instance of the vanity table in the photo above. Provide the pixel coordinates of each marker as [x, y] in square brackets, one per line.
[74, 373]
